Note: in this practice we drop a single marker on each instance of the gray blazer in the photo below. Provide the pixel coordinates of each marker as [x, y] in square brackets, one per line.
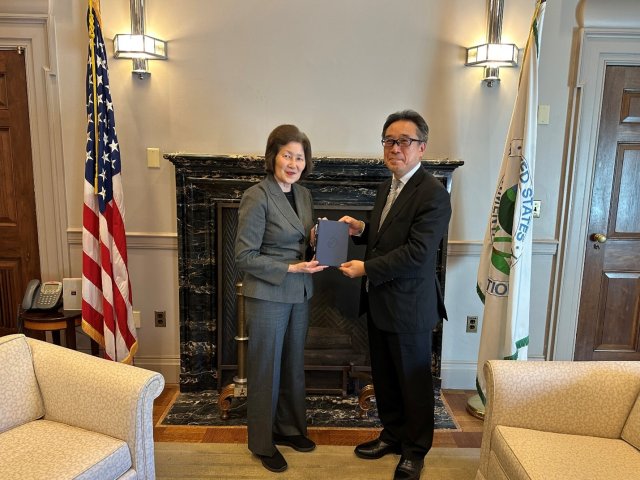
[270, 237]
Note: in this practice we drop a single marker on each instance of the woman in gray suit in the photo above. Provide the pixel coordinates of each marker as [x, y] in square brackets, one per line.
[275, 222]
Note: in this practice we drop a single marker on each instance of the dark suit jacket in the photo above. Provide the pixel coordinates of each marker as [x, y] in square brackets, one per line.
[270, 237]
[404, 294]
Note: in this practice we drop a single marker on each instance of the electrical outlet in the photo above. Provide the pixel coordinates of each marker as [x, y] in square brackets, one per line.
[472, 324]
[161, 318]
[537, 205]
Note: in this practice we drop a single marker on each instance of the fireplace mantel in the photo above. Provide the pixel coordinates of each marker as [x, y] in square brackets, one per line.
[210, 186]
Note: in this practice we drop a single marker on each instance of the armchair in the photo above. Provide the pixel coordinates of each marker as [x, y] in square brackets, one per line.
[65, 414]
[561, 420]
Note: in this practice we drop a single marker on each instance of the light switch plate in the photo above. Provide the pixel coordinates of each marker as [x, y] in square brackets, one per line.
[543, 114]
[136, 318]
[153, 157]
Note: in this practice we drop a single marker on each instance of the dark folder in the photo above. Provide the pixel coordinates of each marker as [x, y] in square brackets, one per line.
[332, 242]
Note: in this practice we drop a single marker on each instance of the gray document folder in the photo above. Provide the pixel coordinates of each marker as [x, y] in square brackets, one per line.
[332, 242]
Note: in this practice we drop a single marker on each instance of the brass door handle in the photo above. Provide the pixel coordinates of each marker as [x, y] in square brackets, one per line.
[599, 237]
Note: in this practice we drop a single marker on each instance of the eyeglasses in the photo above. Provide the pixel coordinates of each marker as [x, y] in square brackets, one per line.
[401, 142]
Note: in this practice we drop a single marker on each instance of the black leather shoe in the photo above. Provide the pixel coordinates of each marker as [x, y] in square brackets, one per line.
[274, 463]
[297, 442]
[376, 449]
[408, 469]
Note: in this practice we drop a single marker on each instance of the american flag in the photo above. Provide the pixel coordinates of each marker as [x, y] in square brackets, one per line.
[107, 314]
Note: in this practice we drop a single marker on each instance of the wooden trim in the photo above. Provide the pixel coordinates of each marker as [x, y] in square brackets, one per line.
[459, 248]
[135, 240]
[34, 34]
[596, 49]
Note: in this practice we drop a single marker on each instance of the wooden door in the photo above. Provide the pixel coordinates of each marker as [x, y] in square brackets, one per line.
[609, 316]
[19, 259]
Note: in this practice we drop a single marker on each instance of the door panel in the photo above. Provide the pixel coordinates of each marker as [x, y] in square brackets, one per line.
[19, 259]
[619, 330]
[628, 211]
[609, 316]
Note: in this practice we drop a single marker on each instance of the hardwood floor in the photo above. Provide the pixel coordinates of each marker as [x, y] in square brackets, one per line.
[469, 435]
[229, 461]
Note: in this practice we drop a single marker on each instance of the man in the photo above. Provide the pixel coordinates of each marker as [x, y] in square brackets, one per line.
[401, 293]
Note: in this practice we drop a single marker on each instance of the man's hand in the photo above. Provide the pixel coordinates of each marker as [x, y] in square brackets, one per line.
[356, 227]
[312, 236]
[353, 268]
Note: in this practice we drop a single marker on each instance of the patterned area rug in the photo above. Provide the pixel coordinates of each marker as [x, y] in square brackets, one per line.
[201, 408]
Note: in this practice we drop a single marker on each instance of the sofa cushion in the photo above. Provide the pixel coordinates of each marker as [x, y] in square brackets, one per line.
[44, 450]
[631, 430]
[532, 454]
[20, 399]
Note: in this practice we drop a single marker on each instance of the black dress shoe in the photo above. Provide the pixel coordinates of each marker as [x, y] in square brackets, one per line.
[273, 463]
[376, 449]
[408, 469]
[297, 442]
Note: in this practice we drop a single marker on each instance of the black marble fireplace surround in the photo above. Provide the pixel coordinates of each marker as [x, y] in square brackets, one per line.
[208, 191]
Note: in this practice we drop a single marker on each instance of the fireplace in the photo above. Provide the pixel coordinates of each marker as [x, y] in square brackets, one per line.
[208, 190]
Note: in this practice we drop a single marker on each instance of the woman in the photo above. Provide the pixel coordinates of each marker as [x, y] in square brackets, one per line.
[275, 221]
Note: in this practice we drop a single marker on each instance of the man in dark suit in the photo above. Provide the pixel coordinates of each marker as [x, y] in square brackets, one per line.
[401, 293]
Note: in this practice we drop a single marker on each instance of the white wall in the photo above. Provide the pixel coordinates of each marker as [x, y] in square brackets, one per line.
[335, 68]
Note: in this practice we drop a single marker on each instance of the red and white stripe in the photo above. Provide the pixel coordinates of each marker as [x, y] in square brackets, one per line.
[107, 313]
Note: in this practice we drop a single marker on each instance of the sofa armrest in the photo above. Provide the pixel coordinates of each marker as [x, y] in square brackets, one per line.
[101, 396]
[562, 397]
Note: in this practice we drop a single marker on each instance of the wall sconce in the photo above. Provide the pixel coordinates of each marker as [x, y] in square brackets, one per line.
[493, 54]
[138, 46]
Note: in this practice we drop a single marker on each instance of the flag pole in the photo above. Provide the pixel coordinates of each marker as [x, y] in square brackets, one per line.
[92, 46]
[475, 407]
[504, 273]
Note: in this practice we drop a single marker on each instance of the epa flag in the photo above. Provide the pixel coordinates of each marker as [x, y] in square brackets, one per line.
[504, 275]
[107, 314]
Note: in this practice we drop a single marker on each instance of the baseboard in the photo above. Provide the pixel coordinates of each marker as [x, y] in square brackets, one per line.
[462, 375]
[458, 375]
[169, 367]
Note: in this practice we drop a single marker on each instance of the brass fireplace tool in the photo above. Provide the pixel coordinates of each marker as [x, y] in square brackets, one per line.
[238, 389]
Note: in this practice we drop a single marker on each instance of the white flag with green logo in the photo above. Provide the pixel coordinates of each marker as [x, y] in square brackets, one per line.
[504, 275]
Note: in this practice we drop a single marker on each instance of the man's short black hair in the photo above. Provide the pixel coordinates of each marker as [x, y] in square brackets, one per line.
[412, 116]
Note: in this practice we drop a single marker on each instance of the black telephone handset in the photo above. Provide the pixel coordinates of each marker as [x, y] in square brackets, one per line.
[46, 296]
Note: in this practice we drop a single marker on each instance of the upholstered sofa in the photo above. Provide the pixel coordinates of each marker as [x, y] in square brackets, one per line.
[65, 414]
[561, 420]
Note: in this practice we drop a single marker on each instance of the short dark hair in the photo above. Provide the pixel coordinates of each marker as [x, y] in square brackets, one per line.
[412, 116]
[278, 138]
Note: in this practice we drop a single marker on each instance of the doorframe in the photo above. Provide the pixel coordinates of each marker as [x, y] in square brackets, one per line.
[597, 48]
[34, 33]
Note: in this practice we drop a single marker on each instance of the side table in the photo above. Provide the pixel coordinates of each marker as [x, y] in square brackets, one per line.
[55, 321]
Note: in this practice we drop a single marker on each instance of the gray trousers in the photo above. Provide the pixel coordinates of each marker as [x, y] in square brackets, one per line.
[275, 371]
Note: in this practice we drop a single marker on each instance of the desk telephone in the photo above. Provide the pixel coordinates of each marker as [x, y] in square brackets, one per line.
[45, 296]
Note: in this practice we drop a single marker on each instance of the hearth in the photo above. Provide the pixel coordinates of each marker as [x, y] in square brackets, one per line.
[209, 188]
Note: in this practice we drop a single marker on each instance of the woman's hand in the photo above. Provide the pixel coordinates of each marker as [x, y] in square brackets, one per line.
[356, 227]
[306, 267]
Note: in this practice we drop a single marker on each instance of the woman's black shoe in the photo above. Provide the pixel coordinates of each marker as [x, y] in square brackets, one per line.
[274, 463]
[297, 442]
